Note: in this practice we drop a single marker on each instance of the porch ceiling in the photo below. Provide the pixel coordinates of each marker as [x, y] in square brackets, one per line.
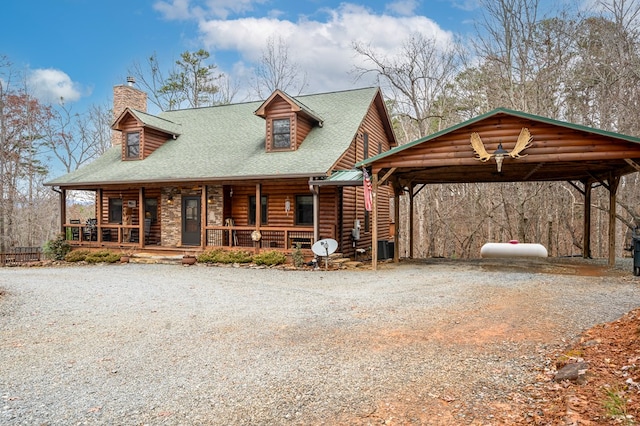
[514, 171]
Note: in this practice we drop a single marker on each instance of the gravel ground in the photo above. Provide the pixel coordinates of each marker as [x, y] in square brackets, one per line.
[417, 343]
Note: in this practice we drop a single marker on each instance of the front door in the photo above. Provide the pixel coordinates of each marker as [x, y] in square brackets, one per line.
[191, 221]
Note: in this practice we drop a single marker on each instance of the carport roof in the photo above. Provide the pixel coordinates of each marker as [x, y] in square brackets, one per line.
[558, 151]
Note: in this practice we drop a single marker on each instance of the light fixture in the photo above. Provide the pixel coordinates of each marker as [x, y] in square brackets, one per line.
[499, 155]
[287, 206]
[231, 192]
[210, 199]
[170, 199]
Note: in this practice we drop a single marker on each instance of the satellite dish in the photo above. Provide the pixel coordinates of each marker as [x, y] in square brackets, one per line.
[324, 247]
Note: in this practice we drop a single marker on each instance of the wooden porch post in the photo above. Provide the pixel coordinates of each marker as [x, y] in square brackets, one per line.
[99, 214]
[396, 217]
[256, 244]
[315, 190]
[411, 195]
[203, 216]
[374, 220]
[63, 209]
[614, 181]
[141, 217]
[586, 235]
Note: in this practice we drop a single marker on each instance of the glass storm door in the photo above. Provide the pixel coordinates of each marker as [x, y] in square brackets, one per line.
[191, 221]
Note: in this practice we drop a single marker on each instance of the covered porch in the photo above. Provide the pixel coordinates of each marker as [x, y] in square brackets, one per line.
[195, 217]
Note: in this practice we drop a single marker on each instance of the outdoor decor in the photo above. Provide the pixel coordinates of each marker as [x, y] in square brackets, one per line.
[523, 142]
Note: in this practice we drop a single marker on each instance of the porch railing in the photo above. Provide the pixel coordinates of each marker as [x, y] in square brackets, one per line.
[274, 237]
[271, 237]
[21, 255]
[87, 233]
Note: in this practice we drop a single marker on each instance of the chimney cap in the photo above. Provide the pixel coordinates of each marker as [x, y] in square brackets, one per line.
[131, 80]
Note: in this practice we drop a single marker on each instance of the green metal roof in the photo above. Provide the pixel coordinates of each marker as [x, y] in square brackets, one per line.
[341, 178]
[228, 142]
[496, 111]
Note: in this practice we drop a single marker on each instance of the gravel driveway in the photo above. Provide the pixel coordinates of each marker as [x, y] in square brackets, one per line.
[418, 343]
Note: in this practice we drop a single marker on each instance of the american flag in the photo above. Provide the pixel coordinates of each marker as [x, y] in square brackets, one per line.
[366, 183]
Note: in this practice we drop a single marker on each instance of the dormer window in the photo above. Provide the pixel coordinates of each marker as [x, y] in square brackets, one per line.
[281, 133]
[132, 150]
[288, 122]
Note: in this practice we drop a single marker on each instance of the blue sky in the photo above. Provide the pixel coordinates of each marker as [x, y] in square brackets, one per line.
[80, 49]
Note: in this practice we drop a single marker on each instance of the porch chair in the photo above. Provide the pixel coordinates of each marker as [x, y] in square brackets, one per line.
[90, 231]
[75, 231]
[230, 223]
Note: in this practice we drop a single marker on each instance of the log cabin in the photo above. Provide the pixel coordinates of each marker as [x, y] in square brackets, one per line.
[271, 175]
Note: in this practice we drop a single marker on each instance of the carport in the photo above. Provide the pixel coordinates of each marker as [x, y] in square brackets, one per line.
[508, 146]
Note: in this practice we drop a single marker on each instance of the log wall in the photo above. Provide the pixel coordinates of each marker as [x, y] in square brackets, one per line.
[353, 197]
[277, 193]
[151, 140]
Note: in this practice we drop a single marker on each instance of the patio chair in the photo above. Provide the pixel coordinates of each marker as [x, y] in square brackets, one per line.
[75, 231]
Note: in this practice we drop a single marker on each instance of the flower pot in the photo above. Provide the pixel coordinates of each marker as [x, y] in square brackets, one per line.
[188, 260]
[124, 259]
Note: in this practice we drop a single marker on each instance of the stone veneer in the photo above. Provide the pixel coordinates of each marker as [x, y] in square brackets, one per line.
[171, 214]
[170, 223]
[214, 209]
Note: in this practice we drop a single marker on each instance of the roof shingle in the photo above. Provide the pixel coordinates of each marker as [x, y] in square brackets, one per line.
[228, 142]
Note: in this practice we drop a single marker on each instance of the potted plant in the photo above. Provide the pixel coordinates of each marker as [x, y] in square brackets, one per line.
[188, 259]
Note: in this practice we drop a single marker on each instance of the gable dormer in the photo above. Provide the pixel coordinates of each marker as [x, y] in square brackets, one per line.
[288, 122]
[143, 133]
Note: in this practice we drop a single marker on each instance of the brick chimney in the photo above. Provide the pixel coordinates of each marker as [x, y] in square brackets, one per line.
[126, 96]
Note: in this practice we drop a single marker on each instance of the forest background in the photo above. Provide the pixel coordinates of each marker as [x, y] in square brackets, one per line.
[579, 67]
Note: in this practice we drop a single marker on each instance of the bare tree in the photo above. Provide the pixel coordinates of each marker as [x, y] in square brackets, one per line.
[506, 40]
[22, 119]
[418, 76]
[75, 139]
[603, 87]
[276, 70]
[227, 90]
[150, 77]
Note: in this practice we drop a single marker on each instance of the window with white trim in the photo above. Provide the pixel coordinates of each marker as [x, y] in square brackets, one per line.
[132, 149]
[281, 133]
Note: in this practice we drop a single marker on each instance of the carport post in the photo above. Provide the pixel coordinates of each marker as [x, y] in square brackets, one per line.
[411, 221]
[374, 219]
[396, 214]
[586, 235]
[614, 181]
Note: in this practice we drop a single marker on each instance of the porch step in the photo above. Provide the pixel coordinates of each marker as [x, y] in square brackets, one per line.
[148, 258]
[345, 262]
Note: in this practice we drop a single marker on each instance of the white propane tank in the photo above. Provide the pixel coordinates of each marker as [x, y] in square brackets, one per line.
[513, 249]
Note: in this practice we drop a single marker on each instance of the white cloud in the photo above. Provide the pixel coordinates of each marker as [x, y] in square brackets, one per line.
[403, 7]
[174, 9]
[49, 85]
[321, 48]
[467, 4]
[187, 9]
